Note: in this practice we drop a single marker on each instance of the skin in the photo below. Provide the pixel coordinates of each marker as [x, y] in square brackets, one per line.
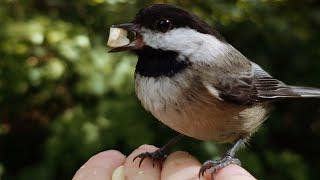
[178, 165]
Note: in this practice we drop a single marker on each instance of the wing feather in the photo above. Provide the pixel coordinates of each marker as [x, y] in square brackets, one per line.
[254, 85]
[237, 80]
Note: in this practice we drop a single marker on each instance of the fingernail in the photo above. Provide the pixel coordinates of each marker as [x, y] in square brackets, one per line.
[118, 174]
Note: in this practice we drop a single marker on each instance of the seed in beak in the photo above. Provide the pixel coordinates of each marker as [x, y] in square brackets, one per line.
[118, 37]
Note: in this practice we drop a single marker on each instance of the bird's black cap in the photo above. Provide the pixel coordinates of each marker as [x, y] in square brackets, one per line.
[149, 16]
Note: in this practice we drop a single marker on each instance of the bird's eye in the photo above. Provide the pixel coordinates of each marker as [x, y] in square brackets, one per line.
[164, 25]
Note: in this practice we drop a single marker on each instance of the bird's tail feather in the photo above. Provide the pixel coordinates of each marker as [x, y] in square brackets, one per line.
[306, 92]
[290, 92]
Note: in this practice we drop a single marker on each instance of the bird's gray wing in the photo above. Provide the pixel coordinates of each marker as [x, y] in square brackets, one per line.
[248, 85]
[258, 87]
[232, 77]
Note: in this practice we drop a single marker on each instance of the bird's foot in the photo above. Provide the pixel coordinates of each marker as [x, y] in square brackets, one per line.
[214, 166]
[156, 156]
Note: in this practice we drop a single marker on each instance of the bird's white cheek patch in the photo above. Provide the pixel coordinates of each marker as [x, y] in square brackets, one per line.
[198, 47]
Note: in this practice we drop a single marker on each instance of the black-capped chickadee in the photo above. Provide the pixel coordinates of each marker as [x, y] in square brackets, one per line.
[196, 83]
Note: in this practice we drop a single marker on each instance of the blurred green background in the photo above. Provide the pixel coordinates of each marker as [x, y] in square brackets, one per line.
[63, 98]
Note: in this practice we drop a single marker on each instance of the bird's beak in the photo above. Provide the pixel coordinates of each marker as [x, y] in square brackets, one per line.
[136, 42]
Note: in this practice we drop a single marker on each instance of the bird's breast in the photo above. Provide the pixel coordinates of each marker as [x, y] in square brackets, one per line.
[185, 105]
[157, 93]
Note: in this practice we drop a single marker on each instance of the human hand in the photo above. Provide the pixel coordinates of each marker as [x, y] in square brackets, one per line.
[112, 165]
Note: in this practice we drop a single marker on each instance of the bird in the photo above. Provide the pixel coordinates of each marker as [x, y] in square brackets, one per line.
[193, 81]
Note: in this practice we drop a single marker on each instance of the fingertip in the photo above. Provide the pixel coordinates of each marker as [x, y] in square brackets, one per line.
[106, 156]
[181, 158]
[146, 170]
[148, 147]
[100, 166]
[233, 172]
[180, 165]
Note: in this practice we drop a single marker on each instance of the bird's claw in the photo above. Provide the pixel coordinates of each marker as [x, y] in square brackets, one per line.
[214, 166]
[156, 156]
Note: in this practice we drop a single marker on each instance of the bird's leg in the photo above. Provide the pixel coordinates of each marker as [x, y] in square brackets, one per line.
[226, 160]
[160, 154]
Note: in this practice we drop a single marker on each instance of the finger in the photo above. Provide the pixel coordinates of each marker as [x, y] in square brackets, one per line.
[100, 166]
[180, 165]
[233, 172]
[146, 170]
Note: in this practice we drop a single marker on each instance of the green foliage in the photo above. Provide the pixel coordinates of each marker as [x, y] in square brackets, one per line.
[63, 98]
